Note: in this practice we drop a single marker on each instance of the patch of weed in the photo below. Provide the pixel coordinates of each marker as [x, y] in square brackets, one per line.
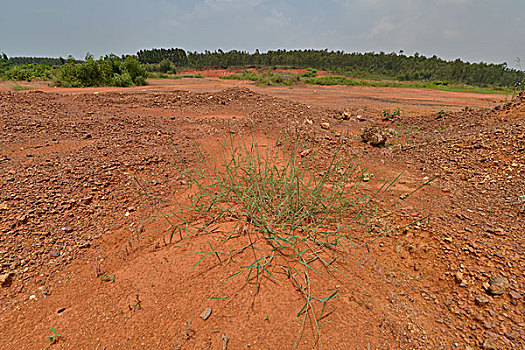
[18, 87]
[296, 215]
[54, 337]
[106, 277]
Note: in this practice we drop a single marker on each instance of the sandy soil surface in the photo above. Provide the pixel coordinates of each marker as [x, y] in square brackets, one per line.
[92, 180]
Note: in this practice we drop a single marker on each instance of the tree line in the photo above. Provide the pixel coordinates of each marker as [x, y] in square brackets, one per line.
[370, 65]
[36, 60]
[364, 65]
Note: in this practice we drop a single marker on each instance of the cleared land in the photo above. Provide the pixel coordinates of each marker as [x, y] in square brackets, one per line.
[88, 253]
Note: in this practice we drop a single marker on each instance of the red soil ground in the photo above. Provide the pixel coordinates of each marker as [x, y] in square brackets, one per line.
[71, 211]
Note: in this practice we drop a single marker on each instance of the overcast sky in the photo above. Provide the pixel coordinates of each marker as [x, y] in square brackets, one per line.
[474, 30]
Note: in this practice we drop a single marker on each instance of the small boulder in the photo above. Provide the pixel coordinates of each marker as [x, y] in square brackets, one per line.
[374, 136]
[498, 285]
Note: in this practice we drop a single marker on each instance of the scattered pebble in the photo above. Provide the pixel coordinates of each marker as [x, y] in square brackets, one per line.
[206, 314]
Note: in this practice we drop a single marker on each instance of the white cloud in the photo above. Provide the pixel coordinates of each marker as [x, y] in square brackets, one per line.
[277, 19]
[451, 34]
[226, 5]
[383, 27]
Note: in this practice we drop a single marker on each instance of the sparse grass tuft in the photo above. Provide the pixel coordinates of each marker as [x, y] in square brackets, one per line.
[18, 87]
[299, 219]
[297, 215]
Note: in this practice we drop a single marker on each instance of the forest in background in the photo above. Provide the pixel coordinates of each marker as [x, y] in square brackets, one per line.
[378, 66]
[370, 65]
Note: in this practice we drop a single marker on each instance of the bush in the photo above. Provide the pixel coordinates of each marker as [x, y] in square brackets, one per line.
[107, 71]
[277, 79]
[137, 73]
[310, 73]
[26, 72]
[266, 78]
[166, 66]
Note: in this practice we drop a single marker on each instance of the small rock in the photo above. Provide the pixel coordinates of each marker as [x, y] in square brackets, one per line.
[225, 339]
[32, 297]
[6, 279]
[490, 344]
[346, 115]
[515, 295]
[498, 285]
[459, 277]
[367, 177]
[305, 153]
[488, 324]
[325, 126]
[374, 136]
[360, 118]
[86, 200]
[83, 245]
[482, 300]
[206, 314]
[22, 219]
[4, 206]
